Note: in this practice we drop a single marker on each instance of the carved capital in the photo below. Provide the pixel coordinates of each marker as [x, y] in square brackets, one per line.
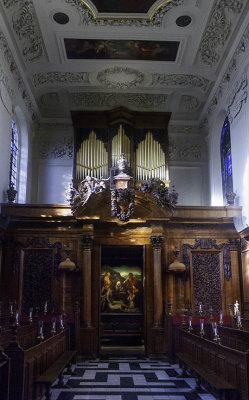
[156, 242]
[86, 241]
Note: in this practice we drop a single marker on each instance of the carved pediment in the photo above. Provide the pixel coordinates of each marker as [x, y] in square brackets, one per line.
[99, 207]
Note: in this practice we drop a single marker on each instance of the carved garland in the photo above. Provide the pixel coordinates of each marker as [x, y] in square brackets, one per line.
[25, 25]
[209, 244]
[219, 29]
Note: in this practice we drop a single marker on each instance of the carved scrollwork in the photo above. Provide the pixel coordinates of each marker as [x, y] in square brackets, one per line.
[122, 204]
[162, 195]
[156, 242]
[19, 85]
[86, 241]
[55, 77]
[110, 100]
[26, 26]
[219, 29]
[86, 188]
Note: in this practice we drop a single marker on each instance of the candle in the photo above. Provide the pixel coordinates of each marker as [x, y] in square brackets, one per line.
[202, 324]
[200, 307]
[238, 318]
[61, 322]
[221, 316]
[215, 331]
[190, 321]
[45, 307]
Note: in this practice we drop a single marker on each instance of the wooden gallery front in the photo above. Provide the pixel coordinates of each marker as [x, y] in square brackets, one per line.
[122, 256]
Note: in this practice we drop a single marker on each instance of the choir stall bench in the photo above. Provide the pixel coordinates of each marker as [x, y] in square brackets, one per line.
[56, 371]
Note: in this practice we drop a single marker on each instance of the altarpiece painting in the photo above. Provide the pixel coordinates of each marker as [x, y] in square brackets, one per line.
[122, 279]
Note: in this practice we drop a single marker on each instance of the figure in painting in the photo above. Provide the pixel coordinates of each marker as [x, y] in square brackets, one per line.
[106, 290]
[130, 284]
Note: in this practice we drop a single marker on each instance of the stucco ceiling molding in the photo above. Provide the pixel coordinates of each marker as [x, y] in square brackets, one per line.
[6, 54]
[87, 17]
[26, 27]
[49, 147]
[238, 98]
[55, 77]
[189, 103]
[120, 77]
[109, 100]
[219, 29]
[230, 72]
[180, 150]
[180, 81]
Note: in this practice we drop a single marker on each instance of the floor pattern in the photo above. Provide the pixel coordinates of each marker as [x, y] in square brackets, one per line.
[127, 379]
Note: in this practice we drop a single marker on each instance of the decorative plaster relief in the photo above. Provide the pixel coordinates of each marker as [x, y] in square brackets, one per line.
[87, 17]
[44, 78]
[110, 100]
[120, 77]
[6, 91]
[219, 29]
[189, 103]
[55, 147]
[238, 98]
[185, 150]
[6, 54]
[26, 27]
[180, 80]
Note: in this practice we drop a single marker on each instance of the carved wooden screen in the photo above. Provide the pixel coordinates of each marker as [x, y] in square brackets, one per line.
[206, 277]
[37, 277]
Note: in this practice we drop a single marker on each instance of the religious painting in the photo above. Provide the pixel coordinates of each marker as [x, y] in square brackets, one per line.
[146, 50]
[121, 286]
[123, 6]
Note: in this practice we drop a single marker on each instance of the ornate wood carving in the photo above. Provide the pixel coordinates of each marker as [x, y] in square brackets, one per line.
[37, 277]
[86, 241]
[157, 241]
[206, 281]
[209, 244]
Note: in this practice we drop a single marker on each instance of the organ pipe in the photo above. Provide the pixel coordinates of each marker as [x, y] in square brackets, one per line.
[120, 144]
[92, 158]
[150, 159]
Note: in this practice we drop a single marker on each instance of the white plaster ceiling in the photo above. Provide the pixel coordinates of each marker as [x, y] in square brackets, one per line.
[183, 86]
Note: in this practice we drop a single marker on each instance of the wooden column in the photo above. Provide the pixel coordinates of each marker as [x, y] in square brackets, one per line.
[156, 242]
[87, 242]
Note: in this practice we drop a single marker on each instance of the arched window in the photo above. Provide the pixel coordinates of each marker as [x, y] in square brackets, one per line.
[226, 160]
[13, 177]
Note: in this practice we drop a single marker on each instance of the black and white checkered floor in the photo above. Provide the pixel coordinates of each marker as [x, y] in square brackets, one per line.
[127, 379]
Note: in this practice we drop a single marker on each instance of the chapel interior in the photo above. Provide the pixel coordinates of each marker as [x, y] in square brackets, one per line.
[124, 199]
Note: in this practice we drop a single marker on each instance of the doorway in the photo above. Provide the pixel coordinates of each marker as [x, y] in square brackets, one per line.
[122, 299]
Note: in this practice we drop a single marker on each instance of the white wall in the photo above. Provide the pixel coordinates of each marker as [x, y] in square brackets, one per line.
[232, 102]
[52, 163]
[5, 140]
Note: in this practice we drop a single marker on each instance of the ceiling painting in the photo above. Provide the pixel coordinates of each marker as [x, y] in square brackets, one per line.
[124, 6]
[121, 49]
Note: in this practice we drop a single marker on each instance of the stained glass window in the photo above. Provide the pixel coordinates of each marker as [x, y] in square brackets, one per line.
[226, 160]
[14, 157]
